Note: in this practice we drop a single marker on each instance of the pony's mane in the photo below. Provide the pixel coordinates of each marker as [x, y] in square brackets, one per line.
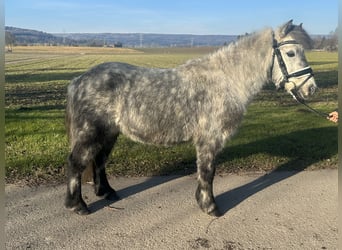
[251, 42]
[243, 43]
[251, 38]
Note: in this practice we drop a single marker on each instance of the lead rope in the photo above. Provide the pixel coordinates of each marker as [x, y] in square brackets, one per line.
[301, 101]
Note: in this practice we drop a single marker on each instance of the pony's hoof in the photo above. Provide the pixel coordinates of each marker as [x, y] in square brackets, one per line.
[80, 209]
[215, 212]
[107, 193]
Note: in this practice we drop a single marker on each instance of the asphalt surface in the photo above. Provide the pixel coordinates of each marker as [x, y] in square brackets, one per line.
[282, 210]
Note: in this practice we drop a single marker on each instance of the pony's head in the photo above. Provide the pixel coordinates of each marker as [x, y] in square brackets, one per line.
[290, 68]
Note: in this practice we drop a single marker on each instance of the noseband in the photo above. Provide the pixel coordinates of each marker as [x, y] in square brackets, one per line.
[283, 68]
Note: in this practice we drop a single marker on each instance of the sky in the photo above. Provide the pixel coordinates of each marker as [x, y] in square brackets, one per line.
[200, 17]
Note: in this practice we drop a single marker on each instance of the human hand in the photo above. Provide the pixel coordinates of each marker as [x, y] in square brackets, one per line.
[333, 116]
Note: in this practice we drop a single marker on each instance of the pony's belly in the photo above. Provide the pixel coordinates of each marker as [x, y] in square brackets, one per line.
[155, 135]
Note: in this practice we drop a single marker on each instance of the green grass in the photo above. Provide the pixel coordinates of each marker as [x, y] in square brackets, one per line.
[275, 134]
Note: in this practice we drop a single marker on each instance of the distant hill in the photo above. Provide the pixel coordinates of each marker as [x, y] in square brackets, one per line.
[150, 40]
[136, 40]
[27, 36]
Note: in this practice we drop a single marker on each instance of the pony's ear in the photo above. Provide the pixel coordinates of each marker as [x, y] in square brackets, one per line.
[286, 28]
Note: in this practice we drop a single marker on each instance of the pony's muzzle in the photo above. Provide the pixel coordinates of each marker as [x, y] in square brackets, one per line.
[302, 87]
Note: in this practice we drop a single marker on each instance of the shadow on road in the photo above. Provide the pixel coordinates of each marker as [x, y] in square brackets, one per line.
[234, 197]
[131, 190]
[303, 147]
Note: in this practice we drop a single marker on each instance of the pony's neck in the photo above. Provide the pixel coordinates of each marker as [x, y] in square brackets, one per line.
[247, 62]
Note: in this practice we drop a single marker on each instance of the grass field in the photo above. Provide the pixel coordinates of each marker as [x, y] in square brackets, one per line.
[276, 133]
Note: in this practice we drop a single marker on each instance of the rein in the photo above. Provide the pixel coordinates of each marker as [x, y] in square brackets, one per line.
[286, 76]
[301, 101]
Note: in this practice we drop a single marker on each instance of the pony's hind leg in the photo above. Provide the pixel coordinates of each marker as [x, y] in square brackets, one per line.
[89, 152]
[74, 199]
[101, 185]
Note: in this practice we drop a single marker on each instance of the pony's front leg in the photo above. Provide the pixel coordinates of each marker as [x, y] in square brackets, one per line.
[206, 172]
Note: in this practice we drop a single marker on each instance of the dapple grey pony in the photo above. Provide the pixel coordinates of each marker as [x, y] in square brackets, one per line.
[202, 101]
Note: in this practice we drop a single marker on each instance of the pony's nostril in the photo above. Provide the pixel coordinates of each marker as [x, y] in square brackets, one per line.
[312, 90]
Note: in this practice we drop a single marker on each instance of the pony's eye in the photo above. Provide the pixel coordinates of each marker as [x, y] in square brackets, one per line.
[290, 53]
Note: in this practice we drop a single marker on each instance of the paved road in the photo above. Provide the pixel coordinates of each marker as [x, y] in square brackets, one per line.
[284, 210]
